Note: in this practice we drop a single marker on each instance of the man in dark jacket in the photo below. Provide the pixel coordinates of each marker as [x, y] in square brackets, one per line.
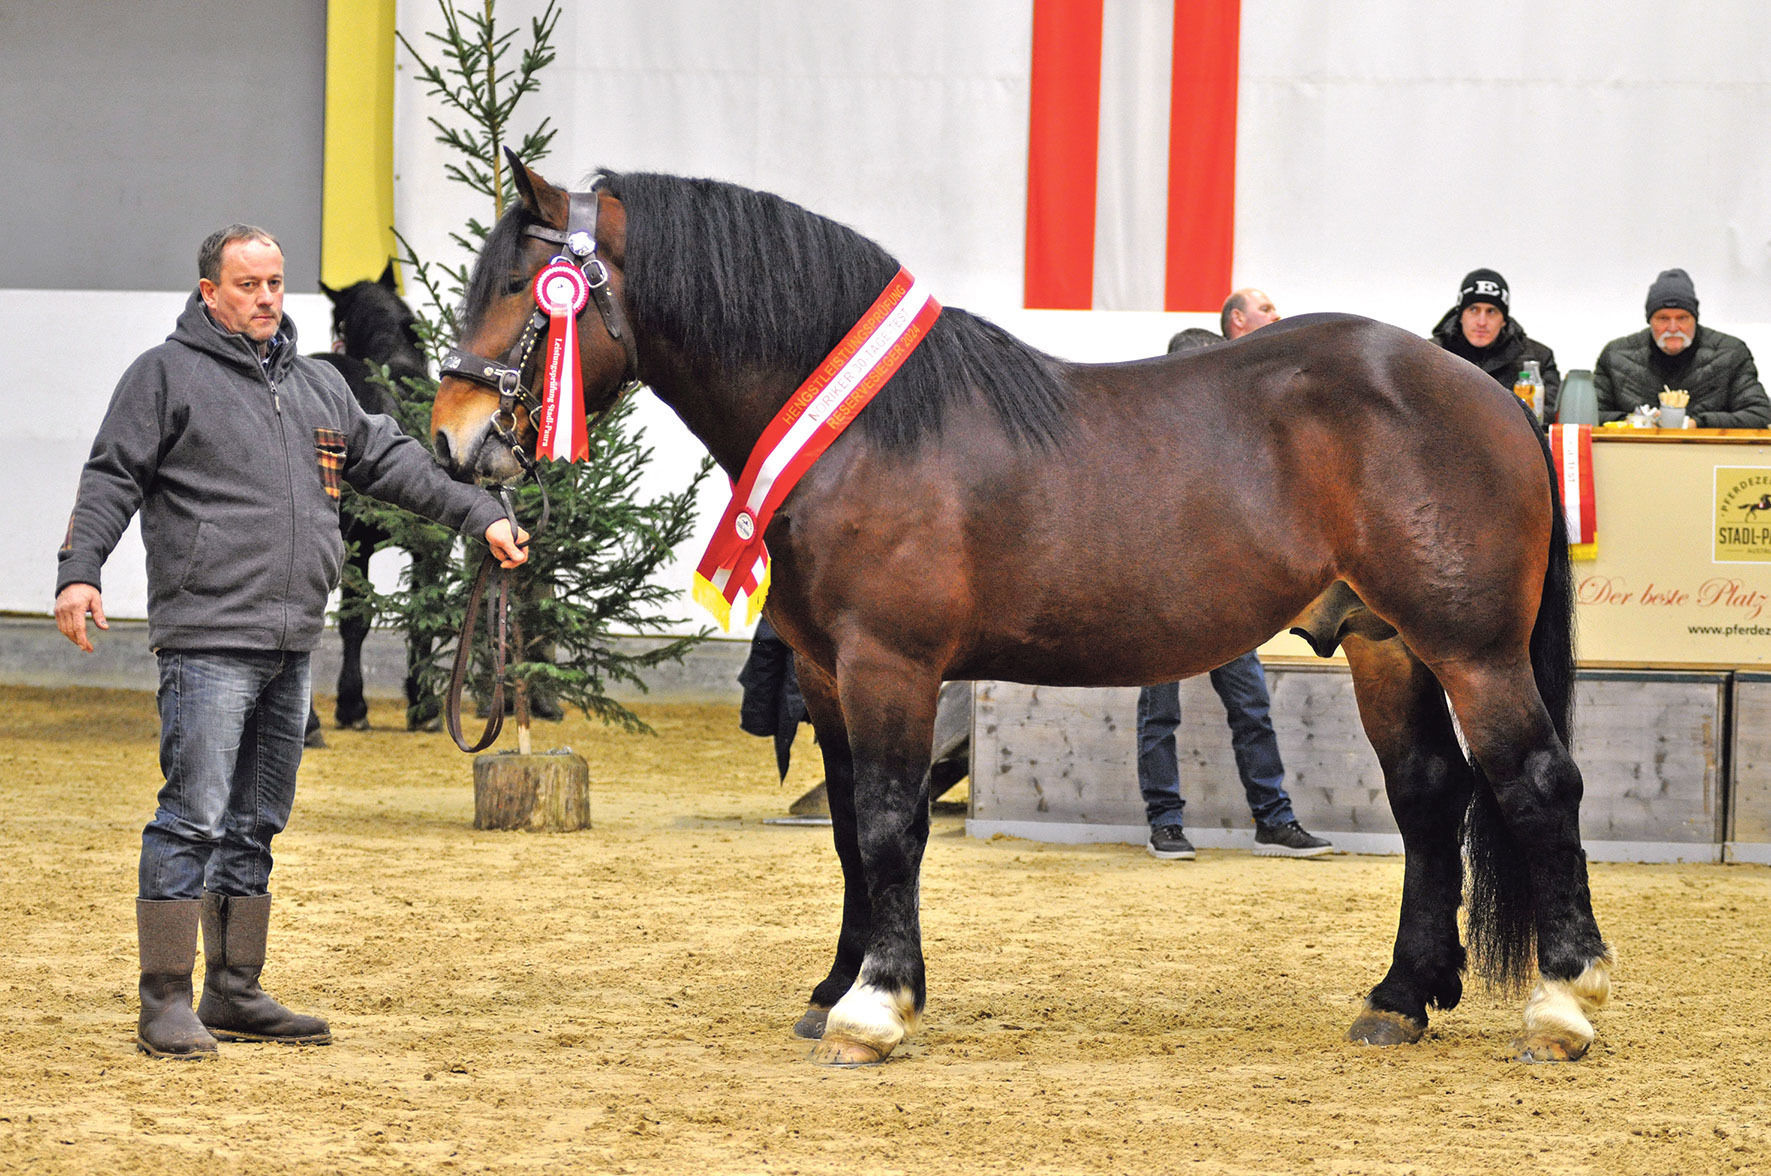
[1675, 353]
[1481, 328]
[232, 445]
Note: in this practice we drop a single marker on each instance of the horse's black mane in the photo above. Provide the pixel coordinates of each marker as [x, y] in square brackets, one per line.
[742, 278]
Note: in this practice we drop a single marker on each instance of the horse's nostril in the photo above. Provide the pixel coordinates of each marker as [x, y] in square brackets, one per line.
[439, 442]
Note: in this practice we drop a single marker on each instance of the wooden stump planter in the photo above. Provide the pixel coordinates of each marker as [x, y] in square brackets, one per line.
[546, 793]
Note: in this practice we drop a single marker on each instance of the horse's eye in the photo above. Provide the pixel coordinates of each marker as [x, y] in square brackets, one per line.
[516, 285]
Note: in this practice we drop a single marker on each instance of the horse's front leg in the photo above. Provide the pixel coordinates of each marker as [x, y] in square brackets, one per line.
[888, 709]
[819, 691]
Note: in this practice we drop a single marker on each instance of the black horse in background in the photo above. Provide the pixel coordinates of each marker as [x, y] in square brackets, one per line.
[370, 325]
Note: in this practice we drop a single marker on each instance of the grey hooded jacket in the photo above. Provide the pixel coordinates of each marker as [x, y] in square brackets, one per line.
[235, 465]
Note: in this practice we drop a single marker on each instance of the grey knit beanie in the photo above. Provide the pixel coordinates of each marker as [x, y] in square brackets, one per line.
[1672, 290]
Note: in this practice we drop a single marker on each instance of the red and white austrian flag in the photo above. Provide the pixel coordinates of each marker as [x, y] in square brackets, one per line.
[561, 291]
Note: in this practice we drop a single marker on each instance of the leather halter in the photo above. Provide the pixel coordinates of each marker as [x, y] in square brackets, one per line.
[578, 244]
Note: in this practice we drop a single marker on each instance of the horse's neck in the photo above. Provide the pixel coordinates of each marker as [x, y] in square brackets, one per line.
[726, 412]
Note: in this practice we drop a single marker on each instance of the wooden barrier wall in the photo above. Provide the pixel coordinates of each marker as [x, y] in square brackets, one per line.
[1060, 764]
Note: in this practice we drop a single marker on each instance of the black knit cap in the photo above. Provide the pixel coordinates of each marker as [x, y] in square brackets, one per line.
[1672, 290]
[1482, 285]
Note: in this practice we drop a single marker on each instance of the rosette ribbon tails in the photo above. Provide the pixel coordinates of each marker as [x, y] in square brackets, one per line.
[737, 560]
[562, 291]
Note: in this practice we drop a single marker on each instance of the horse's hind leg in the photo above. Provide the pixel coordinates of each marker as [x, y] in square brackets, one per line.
[1536, 791]
[1428, 781]
[819, 692]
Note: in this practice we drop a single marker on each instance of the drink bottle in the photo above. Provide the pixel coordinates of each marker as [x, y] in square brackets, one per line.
[1534, 376]
[1522, 388]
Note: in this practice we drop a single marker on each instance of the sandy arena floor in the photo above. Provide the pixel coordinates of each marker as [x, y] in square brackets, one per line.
[618, 1000]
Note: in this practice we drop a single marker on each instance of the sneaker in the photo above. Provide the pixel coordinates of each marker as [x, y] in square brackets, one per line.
[1288, 840]
[1171, 845]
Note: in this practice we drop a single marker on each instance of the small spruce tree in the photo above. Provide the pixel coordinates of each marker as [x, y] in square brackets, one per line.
[590, 574]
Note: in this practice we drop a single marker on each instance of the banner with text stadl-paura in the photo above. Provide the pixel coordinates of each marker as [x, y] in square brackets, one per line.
[1683, 574]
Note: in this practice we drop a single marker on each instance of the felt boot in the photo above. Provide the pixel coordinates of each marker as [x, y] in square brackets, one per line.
[166, 932]
[234, 1007]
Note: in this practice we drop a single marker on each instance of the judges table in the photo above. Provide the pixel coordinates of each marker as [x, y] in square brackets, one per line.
[1672, 706]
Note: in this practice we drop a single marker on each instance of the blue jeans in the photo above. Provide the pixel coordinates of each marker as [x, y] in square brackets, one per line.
[231, 725]
[1243, 688]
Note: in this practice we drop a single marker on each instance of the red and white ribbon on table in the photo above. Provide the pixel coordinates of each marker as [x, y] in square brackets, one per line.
[858, 367]
[1571, 447]
[561, 291]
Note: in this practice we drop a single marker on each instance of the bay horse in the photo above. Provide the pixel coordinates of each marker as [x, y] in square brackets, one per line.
[371, 324]
[997, 513]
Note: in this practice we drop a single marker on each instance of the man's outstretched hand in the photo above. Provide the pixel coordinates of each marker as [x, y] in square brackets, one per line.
[71, 607]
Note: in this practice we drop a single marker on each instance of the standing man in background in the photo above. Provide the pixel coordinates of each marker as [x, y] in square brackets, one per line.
[233, 446]
[1240, 683]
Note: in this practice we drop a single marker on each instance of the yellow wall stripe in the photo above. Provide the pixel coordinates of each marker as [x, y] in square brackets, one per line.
[357, 209]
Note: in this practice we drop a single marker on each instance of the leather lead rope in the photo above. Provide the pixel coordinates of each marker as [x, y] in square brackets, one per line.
[490, 574]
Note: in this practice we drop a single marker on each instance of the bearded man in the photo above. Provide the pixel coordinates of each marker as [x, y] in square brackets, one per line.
[1676, 353]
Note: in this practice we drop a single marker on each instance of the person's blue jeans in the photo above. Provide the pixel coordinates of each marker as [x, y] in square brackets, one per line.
[1242, 686]
[231, 726]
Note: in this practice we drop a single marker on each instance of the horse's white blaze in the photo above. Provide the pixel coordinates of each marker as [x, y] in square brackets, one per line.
[1566, 1006]
[873, 1016]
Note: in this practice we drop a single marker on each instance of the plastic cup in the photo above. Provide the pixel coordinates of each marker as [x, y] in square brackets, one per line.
[1671, 417]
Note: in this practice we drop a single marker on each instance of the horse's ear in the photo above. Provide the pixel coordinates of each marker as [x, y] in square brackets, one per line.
[523, 178]
[388, 278]
[328, 291]
[538, 196]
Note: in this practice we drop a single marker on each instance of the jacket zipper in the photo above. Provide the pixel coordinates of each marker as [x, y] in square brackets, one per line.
[289, 477]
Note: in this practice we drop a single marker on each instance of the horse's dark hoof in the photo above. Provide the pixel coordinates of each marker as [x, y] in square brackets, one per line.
[314, 739]
[361, 724]
[431, 725]
[1549, 1046]
[1379, 1027]
[811, 1022]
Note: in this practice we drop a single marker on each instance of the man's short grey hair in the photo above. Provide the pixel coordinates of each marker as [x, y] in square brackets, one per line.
[209, 253]
[1235, 302]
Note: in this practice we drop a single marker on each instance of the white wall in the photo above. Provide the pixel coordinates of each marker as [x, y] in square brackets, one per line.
[1384, 149]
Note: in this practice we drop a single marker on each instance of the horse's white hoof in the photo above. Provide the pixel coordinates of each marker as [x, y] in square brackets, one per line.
[1558, 1025]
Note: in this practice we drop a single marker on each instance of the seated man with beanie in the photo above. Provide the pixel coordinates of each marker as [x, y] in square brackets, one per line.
[1675, 353]
[1481, 328]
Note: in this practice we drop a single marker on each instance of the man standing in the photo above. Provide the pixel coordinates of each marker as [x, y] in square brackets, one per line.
[1676, 353]
[1245, 310]
[1241, 685]
[232, 445]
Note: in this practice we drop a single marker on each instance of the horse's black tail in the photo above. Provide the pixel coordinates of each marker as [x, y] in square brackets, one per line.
[1498, 897]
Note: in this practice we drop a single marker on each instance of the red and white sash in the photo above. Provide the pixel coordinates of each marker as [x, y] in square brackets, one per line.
[736, 559]
[1572, 448]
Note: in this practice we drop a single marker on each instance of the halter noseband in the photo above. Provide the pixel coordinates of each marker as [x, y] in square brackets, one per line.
[578, 243]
